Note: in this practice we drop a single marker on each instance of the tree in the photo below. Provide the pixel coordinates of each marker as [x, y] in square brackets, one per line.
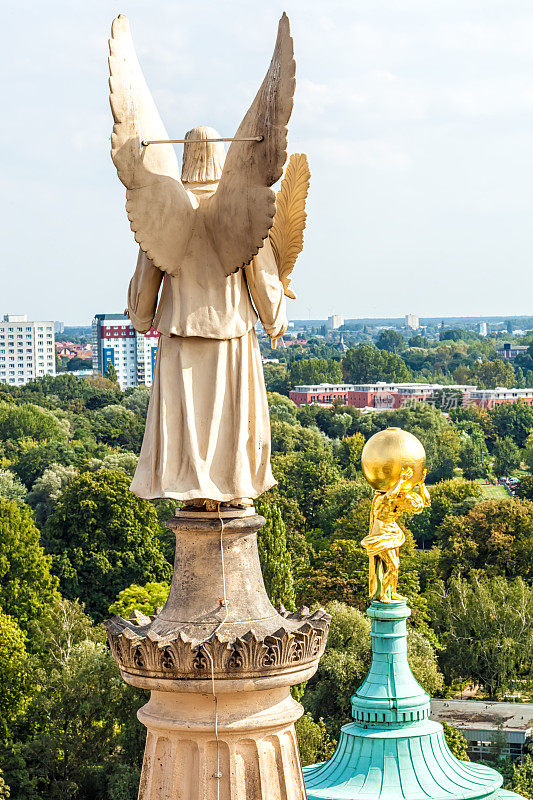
[528, 451]
[349, 453]
[304, 477]
[495, 536]
[314, 742]
[390, 340]
[27, 588]
[418, 341]
[29, 422]
[79, 737]
[522, 778]
[339, 571]
[474, 454]
[102, 538]
[367, 364]
[454, 497]
[118, 426]
[447, 455]
[456, 742]
[275, 559]
[16, 685]
[111, 373]
[514, 420]
[47, 489]
[76, 363]
[33, 461]
[137, 400]
[524, 489]
[314, 370]
[282, 408]
[277, 378]
[507, 456]
[140, 598]
[490, 374]
[10, 486]
[486, 627]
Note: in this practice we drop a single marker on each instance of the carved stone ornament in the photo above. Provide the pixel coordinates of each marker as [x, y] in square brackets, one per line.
[249, 655]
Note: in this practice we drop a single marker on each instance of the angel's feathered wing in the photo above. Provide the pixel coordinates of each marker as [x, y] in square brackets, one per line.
[287, 233]
[241, 212]
[238, 217]
[159, 209]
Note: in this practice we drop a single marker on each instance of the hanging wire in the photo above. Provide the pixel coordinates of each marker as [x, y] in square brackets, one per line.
[224, 601]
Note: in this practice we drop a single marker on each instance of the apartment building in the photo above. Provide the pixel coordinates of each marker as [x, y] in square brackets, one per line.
[115, 341]
[379, 395]
[27, 349]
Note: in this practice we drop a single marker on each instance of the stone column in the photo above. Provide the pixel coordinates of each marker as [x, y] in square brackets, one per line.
[219, 660]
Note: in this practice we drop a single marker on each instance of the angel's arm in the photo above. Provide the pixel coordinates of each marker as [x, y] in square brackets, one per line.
[142, 293]
[241, 212]
[266, 291]
[160, 210]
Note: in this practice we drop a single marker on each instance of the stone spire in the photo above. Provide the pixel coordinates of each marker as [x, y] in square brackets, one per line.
[219, 661]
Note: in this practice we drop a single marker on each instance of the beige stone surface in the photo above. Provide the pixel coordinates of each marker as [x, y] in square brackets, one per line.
[219, 661]
[254, 757]
[227, 229]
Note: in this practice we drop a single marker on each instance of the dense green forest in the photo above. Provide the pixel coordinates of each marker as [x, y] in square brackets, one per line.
[76, 546]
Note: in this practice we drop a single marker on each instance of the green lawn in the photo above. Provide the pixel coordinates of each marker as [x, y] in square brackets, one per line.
[495, 492]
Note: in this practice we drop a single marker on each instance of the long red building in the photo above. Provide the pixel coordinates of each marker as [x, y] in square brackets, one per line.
[383, 396]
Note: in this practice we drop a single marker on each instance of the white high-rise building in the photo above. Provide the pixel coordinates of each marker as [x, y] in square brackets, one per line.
[334, 322]
[412, 321]
[115, 341]
[27, 349]
[482, 328]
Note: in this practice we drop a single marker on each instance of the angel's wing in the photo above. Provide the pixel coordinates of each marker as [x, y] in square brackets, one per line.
[159, 209]
[287, 233]
[240, 213]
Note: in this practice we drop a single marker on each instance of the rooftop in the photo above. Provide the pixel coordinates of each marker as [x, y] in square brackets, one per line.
[487, 716]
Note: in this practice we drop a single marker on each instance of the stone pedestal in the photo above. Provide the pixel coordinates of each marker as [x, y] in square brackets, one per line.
[220, 718]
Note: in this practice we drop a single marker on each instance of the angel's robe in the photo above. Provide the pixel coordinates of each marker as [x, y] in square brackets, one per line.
[207, 430]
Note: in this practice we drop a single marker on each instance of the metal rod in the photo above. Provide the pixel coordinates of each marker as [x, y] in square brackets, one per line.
[188, 141]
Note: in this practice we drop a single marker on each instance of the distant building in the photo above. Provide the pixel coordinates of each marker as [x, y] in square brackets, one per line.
[482, 328]
[59, 327]
[495, 397]
[27, 349]
[412, 321]
[379, 395]
[334, 322]
[115, 341]
[483, 725]
[511, 350]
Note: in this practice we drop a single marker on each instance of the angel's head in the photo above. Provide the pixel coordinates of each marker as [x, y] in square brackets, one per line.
[202, 161]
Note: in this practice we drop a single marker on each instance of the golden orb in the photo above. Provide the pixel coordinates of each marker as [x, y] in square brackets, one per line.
[385, 455]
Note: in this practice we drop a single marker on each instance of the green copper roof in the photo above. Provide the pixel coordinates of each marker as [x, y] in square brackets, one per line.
[392, 751]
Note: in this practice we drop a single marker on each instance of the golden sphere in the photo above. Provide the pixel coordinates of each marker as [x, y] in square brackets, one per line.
[385, 455]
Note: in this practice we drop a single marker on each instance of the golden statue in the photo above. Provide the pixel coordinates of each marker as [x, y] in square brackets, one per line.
[394, 464]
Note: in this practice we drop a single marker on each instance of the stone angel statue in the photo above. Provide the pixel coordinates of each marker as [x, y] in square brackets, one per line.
[216, 251]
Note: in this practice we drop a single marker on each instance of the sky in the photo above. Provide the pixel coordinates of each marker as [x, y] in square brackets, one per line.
[417, 116]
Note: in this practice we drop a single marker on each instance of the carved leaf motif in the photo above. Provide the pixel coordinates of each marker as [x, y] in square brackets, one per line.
[286, 235]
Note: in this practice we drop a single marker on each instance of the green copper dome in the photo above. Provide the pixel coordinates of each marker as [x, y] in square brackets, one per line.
[393, 751]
